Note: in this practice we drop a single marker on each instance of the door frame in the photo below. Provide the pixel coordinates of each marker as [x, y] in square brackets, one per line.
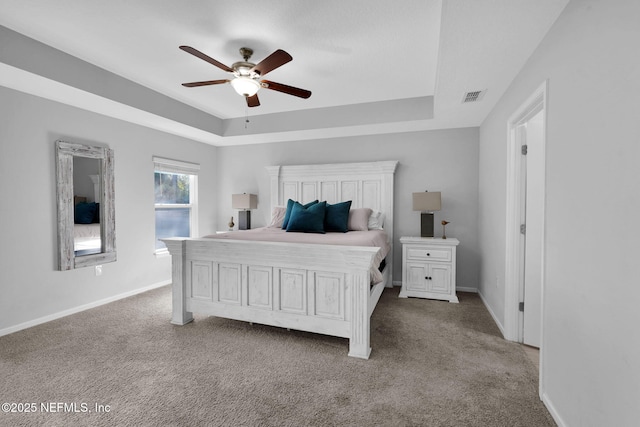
[536, 103]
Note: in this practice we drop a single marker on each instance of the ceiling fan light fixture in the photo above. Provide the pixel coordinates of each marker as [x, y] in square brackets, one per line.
[245, 86]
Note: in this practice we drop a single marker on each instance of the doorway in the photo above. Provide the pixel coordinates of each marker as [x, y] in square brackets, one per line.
[524, 275]
[530, 134]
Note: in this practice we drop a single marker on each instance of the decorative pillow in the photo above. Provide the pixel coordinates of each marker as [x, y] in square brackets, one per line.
[277, 216]
[84, 213]
[359, 219]
[96, 217]
[308, 219]
[376, 220]
[336, 217]
[287, 214]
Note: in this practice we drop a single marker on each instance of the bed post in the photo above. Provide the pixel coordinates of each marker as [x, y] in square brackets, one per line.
[360, 319]
[274, 183]
[180, 315]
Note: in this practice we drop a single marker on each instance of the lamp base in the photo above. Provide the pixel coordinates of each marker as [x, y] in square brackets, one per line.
[426, 225]
[244, 220]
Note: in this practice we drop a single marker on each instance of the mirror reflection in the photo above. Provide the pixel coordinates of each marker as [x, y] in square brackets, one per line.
[86, 201]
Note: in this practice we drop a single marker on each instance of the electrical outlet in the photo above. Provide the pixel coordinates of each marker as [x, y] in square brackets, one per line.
[98, 270]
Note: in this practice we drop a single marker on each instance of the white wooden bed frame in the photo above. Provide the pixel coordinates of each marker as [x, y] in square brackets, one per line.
[316, 288]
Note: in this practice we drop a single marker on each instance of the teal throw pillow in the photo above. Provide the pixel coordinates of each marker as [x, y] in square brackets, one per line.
[307, 219]
[336, 217]
[287, 213]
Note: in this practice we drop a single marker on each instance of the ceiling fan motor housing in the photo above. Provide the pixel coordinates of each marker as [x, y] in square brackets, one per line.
[246, 52]
[243, 68]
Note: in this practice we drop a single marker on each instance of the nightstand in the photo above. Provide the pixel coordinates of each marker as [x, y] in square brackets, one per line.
[429, 268]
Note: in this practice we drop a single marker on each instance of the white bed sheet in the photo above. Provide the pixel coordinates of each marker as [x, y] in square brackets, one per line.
[86, 237]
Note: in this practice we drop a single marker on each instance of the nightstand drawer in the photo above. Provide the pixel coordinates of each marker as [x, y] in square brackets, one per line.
[428, 253]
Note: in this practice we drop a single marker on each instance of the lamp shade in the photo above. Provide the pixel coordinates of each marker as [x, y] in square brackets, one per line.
[427, 201]
[245, 86]
[244, 201]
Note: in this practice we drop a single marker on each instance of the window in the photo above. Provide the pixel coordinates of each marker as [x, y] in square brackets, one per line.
[176, 200]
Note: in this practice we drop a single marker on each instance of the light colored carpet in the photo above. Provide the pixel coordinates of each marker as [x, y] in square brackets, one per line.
[432, 364]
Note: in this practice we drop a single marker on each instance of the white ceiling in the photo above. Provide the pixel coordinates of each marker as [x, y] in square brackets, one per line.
[346, 52]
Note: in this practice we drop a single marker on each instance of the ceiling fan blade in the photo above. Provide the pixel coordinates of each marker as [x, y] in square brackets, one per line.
[271, 62]
[253, 101]
[290, 90]
[206, 83]
[204, 57]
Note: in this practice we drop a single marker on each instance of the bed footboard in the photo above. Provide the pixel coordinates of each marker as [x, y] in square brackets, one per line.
[316, 288]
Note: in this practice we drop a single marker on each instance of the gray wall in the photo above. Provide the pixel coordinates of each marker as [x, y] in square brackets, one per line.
[590, 347]
[445, 160]
[30, 286]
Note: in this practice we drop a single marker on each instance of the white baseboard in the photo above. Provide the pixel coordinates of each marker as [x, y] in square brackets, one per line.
[495, 318]
[64, 313]
[552, 410]
[458, 288]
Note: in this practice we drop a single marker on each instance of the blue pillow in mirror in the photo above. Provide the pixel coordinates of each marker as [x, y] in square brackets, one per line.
[96, 217]
[84, 213]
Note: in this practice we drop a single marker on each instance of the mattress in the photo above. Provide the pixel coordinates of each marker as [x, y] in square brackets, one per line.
[86, 237]
[370, 238]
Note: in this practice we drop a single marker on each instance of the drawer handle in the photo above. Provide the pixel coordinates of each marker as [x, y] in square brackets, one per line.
[428, 254]
[427, 278]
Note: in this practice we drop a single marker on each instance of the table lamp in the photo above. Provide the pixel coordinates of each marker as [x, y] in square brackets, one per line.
[244, 203]
[427, 202]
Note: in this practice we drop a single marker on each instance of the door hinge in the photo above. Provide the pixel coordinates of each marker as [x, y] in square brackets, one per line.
[521, 306]
[523, 228]
[524, 149]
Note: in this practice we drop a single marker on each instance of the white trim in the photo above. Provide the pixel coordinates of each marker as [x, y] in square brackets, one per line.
[552, 410]
[194, 202]
[495, 318]
[161, 164]
[536, 103]
[466, 289]
[78, 309]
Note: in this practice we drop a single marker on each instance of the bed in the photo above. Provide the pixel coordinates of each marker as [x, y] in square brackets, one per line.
[86, 227]
[86, 237]
[319, 287]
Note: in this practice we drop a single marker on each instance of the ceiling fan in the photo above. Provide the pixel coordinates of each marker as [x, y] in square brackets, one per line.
[247, 75]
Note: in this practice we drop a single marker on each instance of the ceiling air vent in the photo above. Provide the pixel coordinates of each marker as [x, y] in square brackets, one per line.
[473, 96]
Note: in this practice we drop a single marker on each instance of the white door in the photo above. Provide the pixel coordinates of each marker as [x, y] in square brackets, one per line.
[533, 197]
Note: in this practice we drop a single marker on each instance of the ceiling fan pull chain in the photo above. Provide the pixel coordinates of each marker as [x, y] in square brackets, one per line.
[246, 117]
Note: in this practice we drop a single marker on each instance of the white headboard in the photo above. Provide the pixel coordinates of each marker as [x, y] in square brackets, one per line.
[367, 185]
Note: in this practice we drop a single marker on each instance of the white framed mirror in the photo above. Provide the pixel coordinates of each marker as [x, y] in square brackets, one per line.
[85, 201]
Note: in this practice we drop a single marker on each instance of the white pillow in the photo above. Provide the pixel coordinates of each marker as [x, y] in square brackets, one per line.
[277, 217]
[376, 220]
[359, 219]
